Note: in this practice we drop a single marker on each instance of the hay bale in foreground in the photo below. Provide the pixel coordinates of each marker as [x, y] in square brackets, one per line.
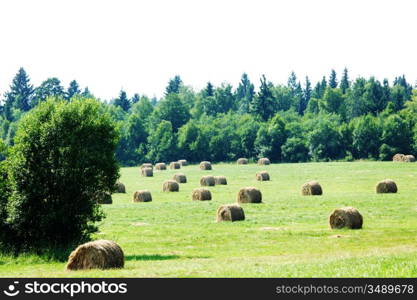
[386, 186]
[146, 165]
[262, 176]
[147, 172]
[249, 195]
[207, 181]
[119, 187]
[183, 162]
[205, 165]
[104, 198]
[180, 178]
[170, 186]
[201, 194]
[160, 166]
[230, 212]
[242, 161]
[220, 180]
[348, 217]
[174, 165]
[142, 196]
[100, 254]
[264, 161]
[409, 158]
[311, 188]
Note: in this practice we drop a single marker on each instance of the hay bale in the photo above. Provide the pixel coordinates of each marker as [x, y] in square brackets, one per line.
[386, 186]
[201, 194]
[100, 254]
[104, 198]
[262, 176]
[170, 186]
[119, 187]
[242, 161]
[205, 165]
[142, 196]
[249, 195]
[398, 157]
[160, 166]
[311, 188]
[147, 172]
[174, 165]
[207, 181]
[220, 180]
[183, 162]
[409, 158]
[348, 217]
[230, 212]
[146, 165]
[180, 178]
[264, 161]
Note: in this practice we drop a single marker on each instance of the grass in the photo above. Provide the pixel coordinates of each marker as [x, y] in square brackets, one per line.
[286, 236]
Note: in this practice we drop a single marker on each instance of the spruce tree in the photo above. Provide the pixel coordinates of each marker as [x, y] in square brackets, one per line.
[344, 83]
[73, 89]
[263, 104]
[333, 79]
[122, 101]
[174, 85]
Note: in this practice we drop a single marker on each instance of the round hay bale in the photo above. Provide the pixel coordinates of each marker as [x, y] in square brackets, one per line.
[160, 166]
[398, 157]
[146, 165]
[311, 188]
[205, 165]
[142, 196]
[104, 198]
[174, 165]
[249, 195]
[201, 194]
[242, 161]
[262, 176]
[100, 254]
[264, 161]
[207, 181]
[147, 172]
[183, 162]
[409, 158]
[180, 178]
[220, 180]
[386, 186]
[119, 187]
[230, 212]
[348, 217]
[170, 186]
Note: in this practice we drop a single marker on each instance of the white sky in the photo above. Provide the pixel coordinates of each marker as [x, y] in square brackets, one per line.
[139, 45]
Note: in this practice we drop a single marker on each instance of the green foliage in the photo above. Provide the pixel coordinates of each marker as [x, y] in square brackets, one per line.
[161, 143]
[62, 157]
[396, 137]
[366, 137]
[172, 109]
[122, 101]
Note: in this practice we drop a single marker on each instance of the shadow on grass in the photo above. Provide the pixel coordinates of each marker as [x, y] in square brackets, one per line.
[158, 257]
[151, 257]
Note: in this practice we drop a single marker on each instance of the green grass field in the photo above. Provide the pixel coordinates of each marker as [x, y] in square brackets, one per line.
[286, 236]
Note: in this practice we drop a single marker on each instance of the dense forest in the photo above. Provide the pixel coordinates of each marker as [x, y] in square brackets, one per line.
[333, 119]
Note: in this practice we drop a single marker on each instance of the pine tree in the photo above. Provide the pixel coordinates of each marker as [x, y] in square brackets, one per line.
[86, 93]
[292, 82]
[333, 79]
[174, 85]
[209, 90]
[122, 101]
[20, 94]
[306, 96]
[73, 89]
[344, 83]
[263, 103]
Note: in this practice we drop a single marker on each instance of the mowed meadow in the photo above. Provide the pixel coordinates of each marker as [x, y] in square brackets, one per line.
[288, 235]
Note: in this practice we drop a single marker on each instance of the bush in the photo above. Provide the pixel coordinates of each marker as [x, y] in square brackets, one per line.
[64, 154]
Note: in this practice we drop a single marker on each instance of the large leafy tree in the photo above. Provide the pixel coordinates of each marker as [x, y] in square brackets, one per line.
[161, 143]
[49, 88]
[172, 109]
[63, 156]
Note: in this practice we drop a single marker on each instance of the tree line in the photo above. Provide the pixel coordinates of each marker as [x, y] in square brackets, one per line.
[333, 119]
